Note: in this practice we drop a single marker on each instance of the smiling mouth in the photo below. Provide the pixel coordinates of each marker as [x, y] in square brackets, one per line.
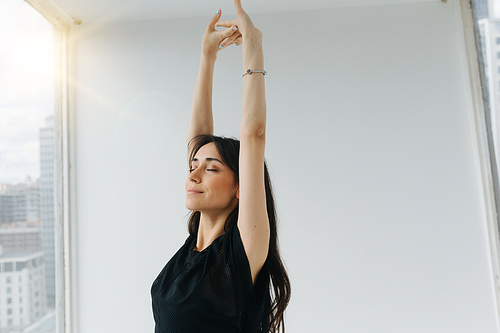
[193, 191]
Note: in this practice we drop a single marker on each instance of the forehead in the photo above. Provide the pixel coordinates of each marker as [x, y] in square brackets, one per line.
[208, 150]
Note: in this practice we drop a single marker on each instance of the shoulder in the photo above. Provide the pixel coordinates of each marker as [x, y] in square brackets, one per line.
[237, 249]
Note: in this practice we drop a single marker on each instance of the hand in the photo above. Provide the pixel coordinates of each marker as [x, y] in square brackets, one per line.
[245, 25]
[214, 41]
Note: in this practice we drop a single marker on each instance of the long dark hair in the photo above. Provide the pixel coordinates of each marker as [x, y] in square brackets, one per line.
[229, 151]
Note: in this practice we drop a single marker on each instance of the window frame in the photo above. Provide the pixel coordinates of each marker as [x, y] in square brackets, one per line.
[479, 100]
[64, 180]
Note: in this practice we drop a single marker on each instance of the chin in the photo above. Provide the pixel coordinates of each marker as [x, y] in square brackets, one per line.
[191, 206]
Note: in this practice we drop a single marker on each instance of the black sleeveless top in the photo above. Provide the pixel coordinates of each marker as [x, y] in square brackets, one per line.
[211, 290]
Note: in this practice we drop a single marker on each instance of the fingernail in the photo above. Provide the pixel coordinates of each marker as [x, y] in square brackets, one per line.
[235, 28]
[221, 46]
[218, 11]
[216, 25]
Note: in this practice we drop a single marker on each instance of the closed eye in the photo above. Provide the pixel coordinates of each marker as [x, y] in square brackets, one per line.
[192, 169]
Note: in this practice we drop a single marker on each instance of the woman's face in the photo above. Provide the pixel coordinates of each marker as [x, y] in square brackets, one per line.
[210, 185]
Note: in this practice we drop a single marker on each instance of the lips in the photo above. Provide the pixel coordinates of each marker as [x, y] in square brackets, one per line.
[193, 190]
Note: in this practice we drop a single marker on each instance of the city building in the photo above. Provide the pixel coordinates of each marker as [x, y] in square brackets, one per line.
[22, 290]
[20, 203]
[22, 278]
[20, 240]
[47, 147]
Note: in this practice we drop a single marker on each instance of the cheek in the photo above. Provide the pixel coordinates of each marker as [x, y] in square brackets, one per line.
[217, 184]
[229, 186]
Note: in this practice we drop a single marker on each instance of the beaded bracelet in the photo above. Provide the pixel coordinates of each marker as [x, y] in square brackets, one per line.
[249, 71]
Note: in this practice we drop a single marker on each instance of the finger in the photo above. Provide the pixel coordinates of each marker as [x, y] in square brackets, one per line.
[231, 39]
[226, 24]
[227, 36]
[237, 6]
[227, 32]
[214, 19]
[237, 41]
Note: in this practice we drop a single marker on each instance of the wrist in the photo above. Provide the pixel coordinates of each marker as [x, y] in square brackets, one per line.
[252, 48]
[254, 38]
[208, 57]
[253, 60]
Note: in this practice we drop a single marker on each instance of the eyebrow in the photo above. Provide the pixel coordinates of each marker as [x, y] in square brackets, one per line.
[209, 159]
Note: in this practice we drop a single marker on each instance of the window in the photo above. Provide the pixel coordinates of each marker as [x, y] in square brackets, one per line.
[26, 189]
[8, 279]
[20, 266]
[486, 14]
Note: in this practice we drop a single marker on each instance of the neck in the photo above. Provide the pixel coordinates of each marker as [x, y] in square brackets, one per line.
[211, 227]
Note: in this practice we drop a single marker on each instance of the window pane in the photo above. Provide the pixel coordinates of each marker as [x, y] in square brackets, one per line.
[487, 17]
[20, 266]
[26, 170]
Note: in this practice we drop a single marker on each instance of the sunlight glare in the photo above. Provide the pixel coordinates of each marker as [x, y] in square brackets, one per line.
[27, 51]
[26, 87]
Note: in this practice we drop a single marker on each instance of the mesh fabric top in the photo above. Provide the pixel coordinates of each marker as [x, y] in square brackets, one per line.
[211, 290]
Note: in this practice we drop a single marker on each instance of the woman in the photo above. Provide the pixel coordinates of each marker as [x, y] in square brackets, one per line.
[219, 281]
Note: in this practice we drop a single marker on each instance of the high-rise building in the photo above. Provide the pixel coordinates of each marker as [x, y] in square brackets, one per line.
[20, 203]
[22, 278]
[47, 149]
[20, 240]
[22, 290]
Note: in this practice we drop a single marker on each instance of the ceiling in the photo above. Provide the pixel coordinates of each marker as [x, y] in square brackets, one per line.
[119, 10]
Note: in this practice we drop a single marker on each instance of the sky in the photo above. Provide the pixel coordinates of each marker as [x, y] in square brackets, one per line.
[26, 88]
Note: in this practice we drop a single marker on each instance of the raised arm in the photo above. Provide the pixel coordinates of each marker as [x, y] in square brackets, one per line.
[253, 221]
[201, 121]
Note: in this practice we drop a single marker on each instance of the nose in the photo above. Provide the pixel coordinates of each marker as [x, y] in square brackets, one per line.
[194, 177]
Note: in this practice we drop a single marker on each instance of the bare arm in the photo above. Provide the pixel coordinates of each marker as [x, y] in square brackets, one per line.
[253, 222]
[201, 121]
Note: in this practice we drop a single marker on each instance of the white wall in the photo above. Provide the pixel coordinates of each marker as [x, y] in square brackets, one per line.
[371, 147]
